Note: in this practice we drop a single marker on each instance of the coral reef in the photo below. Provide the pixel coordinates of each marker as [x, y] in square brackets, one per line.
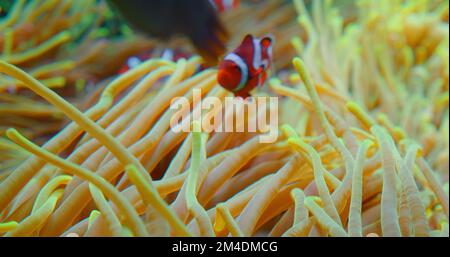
[363, 148]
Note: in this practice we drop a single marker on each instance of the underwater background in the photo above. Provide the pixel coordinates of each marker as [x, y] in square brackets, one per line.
[86, 147]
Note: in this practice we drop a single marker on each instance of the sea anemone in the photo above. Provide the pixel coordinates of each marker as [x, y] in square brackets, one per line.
[363, 148]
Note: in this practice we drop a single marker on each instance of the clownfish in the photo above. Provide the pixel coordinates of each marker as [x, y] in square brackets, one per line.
[246, 67]
[132, 62]
[224, 5]
[167, 54]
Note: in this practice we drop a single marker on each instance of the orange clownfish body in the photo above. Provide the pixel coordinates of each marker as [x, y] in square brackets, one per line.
[246, 67]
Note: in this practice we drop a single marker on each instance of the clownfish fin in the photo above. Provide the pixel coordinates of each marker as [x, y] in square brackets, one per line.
[261, 75]
[248, 40]
[259, 71]
[254, 81]
[243, 95]
[263, 78]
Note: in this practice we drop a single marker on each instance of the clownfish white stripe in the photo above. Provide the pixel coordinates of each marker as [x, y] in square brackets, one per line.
[256, 54]
[242, 66]
[269, 51]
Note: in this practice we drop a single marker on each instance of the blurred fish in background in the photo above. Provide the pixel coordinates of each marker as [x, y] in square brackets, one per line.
[197, 20]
